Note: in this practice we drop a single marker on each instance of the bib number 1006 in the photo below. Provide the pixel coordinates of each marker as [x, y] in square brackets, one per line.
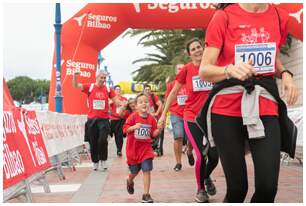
[262, 56]
[258, 59]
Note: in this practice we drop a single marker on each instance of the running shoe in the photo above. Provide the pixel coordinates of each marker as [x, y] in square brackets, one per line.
[201, 196]
[210, 187]
[130, 186]
[178, 167]
[95, 166]
[119, 154]
[184, 149]
[190, 159]
[104, 164]
[146, 198]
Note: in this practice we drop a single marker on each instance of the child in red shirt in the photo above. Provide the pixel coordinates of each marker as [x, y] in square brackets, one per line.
[140, 127]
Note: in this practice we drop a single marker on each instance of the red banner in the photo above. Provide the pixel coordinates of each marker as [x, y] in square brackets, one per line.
[13, 163]
[24, 151]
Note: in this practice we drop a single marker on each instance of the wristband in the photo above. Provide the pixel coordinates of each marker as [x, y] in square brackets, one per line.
[285, 71]
[226, 72]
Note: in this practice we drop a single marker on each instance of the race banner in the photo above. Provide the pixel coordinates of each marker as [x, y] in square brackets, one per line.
[13, 164]
[61, 132]
[31, 140]
[24, 152]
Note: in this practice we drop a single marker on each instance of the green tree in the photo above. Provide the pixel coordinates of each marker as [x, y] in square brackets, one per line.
[26, 90]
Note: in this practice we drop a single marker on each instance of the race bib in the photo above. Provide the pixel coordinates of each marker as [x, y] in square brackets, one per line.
[262, 55]
[99, 104]
[199, 85]
[181, 99]
[143, 133]
[119, 109]
[151, 110]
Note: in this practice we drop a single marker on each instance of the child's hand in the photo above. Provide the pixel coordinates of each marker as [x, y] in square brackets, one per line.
[137, 126]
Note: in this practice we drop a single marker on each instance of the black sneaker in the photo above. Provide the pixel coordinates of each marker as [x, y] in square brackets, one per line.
[201, 196]
[119, 154]
[210, 187]
[190, 159]
[178, 167]
[130, 187]
[146, 198]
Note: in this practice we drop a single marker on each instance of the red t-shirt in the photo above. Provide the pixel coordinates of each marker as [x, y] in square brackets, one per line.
[126, 114]
[138, 144]
[197, 90]
[152, 108]
[98, 100]
[115, 110]
[235, 27]
[177, 106]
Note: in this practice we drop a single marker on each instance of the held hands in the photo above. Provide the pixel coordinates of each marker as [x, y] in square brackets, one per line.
[161, 122]
[242, 71]
[289, 90]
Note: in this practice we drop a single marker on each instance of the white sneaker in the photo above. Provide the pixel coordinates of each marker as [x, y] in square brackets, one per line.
[95, 166]
[104, 164]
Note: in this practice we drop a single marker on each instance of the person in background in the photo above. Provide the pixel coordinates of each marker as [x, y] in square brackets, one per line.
[197, 91]
[140, 127]
[98, 125]
[130, 108]
[155, 109]
[117, 119]
[177, 109]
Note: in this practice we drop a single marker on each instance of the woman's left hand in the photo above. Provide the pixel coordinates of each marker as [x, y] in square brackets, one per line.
[288, 89]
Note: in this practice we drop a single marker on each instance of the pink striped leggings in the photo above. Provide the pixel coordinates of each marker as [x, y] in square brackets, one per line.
[203, 168]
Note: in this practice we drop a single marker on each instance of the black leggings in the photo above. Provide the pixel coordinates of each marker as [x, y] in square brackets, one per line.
[116, 128]
[230, 137]
[202, 170]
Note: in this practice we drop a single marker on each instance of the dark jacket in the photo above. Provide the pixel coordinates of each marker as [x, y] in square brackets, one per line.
[288, 129]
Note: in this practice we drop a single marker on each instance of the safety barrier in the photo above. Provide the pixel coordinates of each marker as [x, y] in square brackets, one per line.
[63, 137]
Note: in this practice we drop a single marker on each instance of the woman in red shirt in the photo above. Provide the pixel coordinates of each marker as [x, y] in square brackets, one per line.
[197, 92]
[242, 41]
[117, 119]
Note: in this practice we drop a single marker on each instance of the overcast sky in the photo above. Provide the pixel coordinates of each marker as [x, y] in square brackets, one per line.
[28, 42]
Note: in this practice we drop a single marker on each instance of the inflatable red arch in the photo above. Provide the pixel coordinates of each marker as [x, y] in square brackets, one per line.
[96, 25]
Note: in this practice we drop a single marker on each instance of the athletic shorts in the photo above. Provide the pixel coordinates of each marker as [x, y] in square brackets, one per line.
[145, 166]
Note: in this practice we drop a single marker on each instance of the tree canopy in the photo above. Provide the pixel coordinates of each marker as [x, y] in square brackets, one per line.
[25, 90]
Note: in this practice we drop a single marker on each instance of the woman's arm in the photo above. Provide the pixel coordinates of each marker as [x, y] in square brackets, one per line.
[177, 86]
[288, 88]
[212, 73]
